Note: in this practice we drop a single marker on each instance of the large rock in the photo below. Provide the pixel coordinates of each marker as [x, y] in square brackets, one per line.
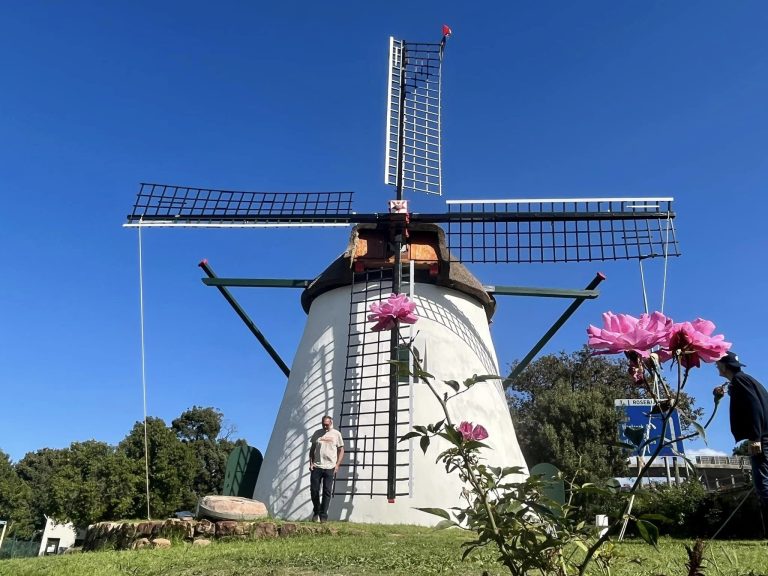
[230, 508]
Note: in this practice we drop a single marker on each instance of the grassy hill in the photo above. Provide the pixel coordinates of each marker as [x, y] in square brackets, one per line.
[369, 550]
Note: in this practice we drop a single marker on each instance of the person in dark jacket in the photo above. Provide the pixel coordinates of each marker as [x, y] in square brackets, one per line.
[749, 420]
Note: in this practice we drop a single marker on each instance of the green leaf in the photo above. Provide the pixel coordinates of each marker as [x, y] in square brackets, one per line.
[648, 532]
[443, 524]
[437, 512]
[581, 545]
[700, 429]
[469, 382]
[452, 435]
[409, 436]
[419, 373]
[424, 443]
[453, 384]
[421, 429]
[511, 470]
[468, 551]
[474, 445]
[623, 445]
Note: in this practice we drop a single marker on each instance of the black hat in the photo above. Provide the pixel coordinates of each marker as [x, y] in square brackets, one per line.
[731, 360]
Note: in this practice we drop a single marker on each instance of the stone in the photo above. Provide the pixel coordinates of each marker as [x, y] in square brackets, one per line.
[205, 528]
[264, 530]
[141, 543]
[288, 529]
[161, 543]
[231, 508]
[226, 528]
[201, 542]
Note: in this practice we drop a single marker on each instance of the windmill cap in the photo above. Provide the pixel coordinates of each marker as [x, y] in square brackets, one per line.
[731, 360]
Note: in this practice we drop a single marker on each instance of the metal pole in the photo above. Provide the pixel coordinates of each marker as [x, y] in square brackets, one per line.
[551, 332]
[248, 322]
[2, 534]
[642, 282]
[397, 278]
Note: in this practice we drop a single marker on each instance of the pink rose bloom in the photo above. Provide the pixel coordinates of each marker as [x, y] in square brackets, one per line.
[466, 430]
[479, 433]
[696, 342]
[398, 307]
[469, 432]
[625, 333]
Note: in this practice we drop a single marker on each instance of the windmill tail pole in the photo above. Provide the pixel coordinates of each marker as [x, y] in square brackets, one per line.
[248, 322]
[551, 332]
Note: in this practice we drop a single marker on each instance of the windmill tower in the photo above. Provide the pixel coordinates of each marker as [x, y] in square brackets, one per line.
[344, 369]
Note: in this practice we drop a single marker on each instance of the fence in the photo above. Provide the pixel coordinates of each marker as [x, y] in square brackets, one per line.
[13, 548]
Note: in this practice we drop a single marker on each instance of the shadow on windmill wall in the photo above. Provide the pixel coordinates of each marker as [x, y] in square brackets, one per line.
[450, 316]
[312, 392]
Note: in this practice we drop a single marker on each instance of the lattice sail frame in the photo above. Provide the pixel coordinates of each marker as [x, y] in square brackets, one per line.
[412, 160]
[163, 205]
[561, 229]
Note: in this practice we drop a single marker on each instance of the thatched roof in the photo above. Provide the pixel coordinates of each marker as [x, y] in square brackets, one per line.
[451, 273]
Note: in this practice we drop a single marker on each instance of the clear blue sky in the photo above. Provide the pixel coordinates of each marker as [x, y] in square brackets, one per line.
[545, 99]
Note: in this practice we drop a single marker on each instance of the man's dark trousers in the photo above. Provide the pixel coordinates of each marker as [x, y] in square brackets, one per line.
[317, 477]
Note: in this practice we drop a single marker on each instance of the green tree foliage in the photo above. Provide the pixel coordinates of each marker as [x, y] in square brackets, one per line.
[563, 410]
[172, 469]
[199, 428]
[85, 483]
[93, 481]
[198, 423]
[15, 498]
[37, 470]
[742, 448]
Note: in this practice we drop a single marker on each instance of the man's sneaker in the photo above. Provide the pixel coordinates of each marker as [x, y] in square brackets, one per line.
[323, 520]
[316, 518]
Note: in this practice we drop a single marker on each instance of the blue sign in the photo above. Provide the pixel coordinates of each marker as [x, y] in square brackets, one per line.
[641, 422]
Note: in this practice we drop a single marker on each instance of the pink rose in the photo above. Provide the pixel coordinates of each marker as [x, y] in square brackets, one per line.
[625, 333]
[469, 432]
[695, 342]
[397, 308]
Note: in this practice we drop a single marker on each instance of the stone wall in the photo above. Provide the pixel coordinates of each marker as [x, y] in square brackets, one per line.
[161, 533]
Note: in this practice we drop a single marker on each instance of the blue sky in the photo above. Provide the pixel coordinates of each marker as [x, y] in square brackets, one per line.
[546, 99]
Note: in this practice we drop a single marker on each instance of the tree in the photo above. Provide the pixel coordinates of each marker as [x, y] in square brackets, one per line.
[198, 423]
[172, 468]
[95, 483]
[199, 428]
[563, 410]
[37, 470]
[742, 448]
[85, 483]
[15, 498]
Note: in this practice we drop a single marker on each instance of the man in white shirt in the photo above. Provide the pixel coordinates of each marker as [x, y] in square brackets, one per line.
[326, 451]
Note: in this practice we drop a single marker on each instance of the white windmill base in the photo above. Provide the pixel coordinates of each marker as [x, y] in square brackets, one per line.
[454, 341]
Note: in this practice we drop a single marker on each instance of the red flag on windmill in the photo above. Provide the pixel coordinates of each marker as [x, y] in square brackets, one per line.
[446, 33]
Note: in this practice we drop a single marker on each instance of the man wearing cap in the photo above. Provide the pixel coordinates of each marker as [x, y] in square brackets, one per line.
[749, 419]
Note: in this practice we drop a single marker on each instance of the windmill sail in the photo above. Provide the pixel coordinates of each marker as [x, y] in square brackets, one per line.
[412, 157]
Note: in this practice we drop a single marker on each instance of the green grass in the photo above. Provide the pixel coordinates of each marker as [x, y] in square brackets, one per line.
[368, 550]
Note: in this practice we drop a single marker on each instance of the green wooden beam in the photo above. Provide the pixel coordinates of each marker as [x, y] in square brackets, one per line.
[256, 282]
[493, 289]
[244, 317]
[541, 292]
[551, 332]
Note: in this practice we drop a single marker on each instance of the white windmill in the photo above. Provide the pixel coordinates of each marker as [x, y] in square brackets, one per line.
[344, 369]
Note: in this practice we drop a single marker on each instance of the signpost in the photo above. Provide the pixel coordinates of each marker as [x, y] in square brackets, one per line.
[641, 427]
